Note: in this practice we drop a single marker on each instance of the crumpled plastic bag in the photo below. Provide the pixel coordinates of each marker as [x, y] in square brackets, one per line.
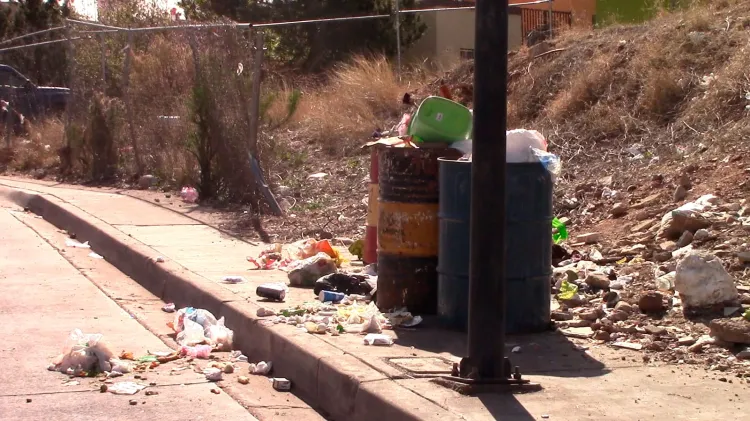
[550, 161]
[567, 291]
[82, 354]
[198, 315]
[305, 272]
[192, 334]
[220, 336]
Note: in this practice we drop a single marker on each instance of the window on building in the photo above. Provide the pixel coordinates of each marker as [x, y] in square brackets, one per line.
[466, 54]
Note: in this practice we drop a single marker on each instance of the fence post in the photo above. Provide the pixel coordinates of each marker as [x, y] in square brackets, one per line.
[129, 103]
[551, 20]
[255, 94]
[398, 37]
[103, 51]
[71, 62]
[9, 125]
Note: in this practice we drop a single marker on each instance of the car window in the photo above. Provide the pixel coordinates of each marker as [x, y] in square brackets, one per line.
[10, 78]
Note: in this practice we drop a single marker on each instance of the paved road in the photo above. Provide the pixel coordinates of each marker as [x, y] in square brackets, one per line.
[44, 297]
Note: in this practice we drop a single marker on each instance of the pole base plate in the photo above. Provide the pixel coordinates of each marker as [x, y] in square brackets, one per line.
[471, 387]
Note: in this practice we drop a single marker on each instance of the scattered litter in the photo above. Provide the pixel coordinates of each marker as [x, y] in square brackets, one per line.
[416, 320]
[578, 332]
[213, 374]
[83, 354]
[265, 312]
[159, 259]
[559, 231]
[199, 351]
[304, 273]
[289, 257]
[372, 326]
[168, 308]
[275, 292]
[331, 296]
[238, 356]
[346, 283]
[628, 345]
[516, 350]
[262, 368]
[220, 336]
[197, 326]
[125, 388]
[281, 384]
[72, 383]
[378, 339]
[243, 380]
[317, 175]
[192, 334]
[189, 194]
[233, 280]
[215, 391]
[567, 291]
[95, 255]
[76, 244]
[151, 392]
[120, 366]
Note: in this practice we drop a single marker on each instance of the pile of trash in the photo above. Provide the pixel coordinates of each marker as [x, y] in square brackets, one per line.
[305, 258]
[86, 355]
[337, 313]
[199, 332]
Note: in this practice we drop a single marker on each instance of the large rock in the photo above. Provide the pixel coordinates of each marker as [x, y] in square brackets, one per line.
[651, 302]
[684, 218]
[598, 280]
[702, 281]
[736, 330]
[146, 181]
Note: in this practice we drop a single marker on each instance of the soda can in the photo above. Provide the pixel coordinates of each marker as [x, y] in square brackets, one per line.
[330, 296]
[275, 292]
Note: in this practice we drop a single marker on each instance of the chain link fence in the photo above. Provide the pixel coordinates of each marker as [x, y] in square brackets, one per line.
[184, 103]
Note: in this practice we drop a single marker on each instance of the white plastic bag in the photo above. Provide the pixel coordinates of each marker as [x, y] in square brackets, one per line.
[125, 388]
[192, 334]
[378, 339]
[220, 336]
[550, 161]
[518, 144]
[305, 272]
[84, 353]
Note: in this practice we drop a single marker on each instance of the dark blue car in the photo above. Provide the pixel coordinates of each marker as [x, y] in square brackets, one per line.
[28, 99]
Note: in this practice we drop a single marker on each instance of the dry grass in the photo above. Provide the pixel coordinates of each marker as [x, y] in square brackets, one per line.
[40, 149]
[361, 96]
[639, 83]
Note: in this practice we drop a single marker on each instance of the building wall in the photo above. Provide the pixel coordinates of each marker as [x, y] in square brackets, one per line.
[450, 31]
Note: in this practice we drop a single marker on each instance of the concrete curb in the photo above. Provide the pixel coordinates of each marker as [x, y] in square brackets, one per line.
[329, 379]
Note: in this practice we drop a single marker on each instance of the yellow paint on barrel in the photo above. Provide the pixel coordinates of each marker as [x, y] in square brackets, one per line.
[372, 205]
[408, 229]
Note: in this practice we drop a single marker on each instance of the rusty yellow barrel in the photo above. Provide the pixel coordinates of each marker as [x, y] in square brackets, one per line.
[408, 240]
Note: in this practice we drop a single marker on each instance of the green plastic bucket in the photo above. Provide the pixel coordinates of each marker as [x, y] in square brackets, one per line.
[441, 120]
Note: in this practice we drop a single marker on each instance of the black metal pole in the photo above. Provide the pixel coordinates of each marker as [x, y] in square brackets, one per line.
[487, 263]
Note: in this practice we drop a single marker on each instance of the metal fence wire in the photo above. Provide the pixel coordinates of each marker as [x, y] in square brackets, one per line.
[159, 92]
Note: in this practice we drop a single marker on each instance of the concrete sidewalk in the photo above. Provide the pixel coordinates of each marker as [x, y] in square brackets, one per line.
[44, 298]
[343, 377]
